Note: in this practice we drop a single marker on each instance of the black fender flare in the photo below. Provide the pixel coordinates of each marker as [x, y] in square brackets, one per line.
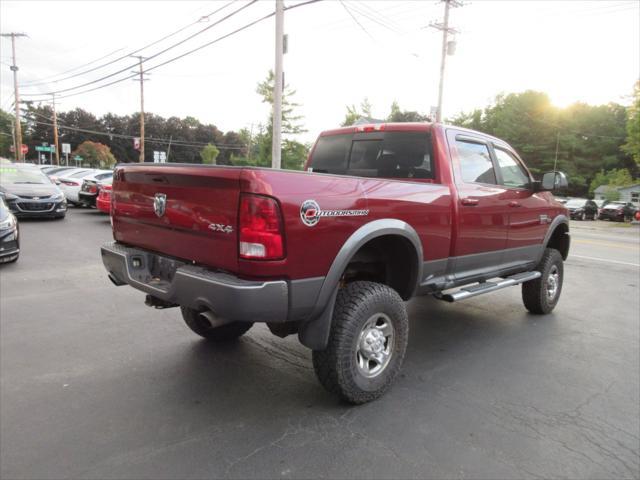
[314, 332]
[558, 220]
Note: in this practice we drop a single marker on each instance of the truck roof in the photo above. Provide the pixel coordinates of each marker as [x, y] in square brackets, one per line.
[403, 127]
[372, 127]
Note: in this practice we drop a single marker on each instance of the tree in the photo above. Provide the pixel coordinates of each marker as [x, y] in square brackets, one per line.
[632, 145]
[588, 137]
[613, 178]
[290, 121]
[95, 154]
[293, 153]
[209, 154]
[353, 113]
[398, 115]
[6, 134]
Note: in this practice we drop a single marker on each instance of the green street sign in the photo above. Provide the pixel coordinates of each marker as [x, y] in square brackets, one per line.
[77, 158]
[45, 149]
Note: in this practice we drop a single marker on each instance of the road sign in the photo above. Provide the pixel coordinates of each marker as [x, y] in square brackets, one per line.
[66, 148]
[24, 149]
[40, 148]
[159, 157]
[77, 158]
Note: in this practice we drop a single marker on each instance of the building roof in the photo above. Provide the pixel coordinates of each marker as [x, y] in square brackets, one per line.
[605, 188]
[630, 187]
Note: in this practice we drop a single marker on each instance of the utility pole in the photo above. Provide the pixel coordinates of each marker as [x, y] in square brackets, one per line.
[169, 148]
[141, 80]
[446, 30]
[13, 134]
[55, 128]
[278, 87]
[14, 69]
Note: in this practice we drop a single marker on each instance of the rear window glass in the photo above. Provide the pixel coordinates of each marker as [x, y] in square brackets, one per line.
[394, 155]
[330, 154]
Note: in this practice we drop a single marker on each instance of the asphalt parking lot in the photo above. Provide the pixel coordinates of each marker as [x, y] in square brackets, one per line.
[93, 384]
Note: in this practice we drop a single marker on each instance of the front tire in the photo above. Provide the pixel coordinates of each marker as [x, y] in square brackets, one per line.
[367, 342]
[540, 296]
[224, 333]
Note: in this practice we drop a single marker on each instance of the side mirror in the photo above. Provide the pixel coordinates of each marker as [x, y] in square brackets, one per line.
[554, 181]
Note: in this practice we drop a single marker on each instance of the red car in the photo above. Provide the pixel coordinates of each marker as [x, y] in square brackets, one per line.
[382, 213]
[103, 202]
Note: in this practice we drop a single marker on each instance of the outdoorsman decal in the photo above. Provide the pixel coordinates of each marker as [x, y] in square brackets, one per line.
[310, 213]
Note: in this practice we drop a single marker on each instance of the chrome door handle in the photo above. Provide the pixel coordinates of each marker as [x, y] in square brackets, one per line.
[514, 204]
[469, 202]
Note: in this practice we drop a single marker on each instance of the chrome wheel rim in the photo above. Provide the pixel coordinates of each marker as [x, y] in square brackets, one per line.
[553, 282]
[375, 345]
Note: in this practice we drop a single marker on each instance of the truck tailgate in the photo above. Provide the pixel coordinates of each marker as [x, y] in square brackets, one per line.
[188, 211]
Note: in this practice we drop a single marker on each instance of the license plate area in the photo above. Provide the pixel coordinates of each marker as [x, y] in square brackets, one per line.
[153, 270]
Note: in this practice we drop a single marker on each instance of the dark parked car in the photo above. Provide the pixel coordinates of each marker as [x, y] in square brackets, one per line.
[9, 236]
[618, 211]
[30, 193]
[582, 209]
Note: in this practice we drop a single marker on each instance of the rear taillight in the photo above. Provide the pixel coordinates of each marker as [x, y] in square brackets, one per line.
[260, 226]
[69, 183]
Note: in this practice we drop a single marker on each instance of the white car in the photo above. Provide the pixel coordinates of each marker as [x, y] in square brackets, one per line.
[70, 185]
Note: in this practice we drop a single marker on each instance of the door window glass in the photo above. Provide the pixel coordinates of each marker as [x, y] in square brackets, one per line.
[475, 162]
[513, 175]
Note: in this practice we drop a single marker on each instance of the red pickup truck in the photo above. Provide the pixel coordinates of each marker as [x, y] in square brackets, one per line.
[382, 213]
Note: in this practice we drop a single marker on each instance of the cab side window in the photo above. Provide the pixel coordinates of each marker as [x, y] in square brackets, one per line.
[513, 175]
[475, 162]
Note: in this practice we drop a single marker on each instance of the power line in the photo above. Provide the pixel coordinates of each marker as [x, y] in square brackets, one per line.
[150, 57]
[180, 143]
[123, 57]
[356, 20]
[45, 80]
[238, 30]
[360, 10]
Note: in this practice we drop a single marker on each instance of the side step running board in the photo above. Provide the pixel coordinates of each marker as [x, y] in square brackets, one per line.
[488, 287]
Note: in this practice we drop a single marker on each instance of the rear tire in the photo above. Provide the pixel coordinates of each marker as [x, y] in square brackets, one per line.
[224, 333]
[540, 296]
[367, 342]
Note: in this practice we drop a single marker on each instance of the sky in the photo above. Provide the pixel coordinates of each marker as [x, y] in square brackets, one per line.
[339, 53]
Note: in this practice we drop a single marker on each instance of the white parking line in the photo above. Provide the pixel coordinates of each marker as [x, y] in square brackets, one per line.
[605, 260]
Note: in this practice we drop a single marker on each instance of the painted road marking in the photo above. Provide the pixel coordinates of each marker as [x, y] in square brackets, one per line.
[604, 260]
[607, 244]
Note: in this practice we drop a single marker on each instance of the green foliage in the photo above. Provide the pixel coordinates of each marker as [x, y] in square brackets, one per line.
[96, 155]
[398, 115]
[632, 145]
[612, 195]
[209, 154]
[6, 134]
[290, 121]
[188, 134]
[395, 115]
[614, 178]
[258, 152]
[588, 137]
